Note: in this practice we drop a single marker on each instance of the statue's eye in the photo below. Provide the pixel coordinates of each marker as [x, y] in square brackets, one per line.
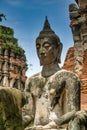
[37, 46]
[46, 45]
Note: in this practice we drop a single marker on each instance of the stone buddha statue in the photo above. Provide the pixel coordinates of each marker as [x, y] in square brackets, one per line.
[53, 95]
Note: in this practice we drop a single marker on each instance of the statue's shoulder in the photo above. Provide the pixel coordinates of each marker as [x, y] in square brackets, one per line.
[32, 80]
[64, 75]
[70, 80]
[34, 76]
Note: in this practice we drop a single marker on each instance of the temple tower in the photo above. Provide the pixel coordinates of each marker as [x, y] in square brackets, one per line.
[78, 17]
[13, 64]
[76, 58]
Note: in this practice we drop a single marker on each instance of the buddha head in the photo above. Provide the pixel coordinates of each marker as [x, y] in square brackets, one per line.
[48, 46]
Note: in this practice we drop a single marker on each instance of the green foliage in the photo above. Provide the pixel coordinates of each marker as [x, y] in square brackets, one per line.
[18, 49]
[5, 46]
[10, 45]
[0, 30]
[2, 16]
[6, 32]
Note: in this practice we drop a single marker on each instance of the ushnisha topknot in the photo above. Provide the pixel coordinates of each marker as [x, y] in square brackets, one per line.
[48, 32]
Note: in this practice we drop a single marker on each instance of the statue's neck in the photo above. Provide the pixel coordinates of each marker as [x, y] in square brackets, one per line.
[50, 69]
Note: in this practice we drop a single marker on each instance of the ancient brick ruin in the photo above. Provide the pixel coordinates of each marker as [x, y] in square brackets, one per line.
[76, 58]
[13, 64]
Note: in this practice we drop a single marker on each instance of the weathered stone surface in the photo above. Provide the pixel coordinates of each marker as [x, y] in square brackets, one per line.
[69, 65]
[78, 16]
[11, 103]
[53, 94]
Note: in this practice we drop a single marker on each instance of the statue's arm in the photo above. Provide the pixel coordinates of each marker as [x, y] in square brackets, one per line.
[65, 118]
[73, 95]
[72, 89]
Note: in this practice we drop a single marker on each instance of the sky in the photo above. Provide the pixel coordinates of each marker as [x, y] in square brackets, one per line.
[26, 18]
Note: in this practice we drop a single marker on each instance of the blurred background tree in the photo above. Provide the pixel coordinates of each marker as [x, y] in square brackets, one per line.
[2, 16]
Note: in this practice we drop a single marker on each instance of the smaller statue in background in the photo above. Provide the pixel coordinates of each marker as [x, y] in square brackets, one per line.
[11, 103]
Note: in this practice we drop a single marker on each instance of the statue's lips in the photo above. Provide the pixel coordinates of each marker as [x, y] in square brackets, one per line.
[42, 57]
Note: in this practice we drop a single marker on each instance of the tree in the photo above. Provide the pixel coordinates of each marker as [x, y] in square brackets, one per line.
[2, 16]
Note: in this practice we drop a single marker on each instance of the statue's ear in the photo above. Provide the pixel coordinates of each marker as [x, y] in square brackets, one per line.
[60, 46]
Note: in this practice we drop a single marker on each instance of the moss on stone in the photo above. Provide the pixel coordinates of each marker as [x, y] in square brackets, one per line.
[11, 102]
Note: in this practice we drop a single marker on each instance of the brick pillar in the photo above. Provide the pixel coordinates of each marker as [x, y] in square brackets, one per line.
[75, 17]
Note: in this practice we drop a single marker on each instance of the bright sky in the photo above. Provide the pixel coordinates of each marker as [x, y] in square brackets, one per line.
[27, 17]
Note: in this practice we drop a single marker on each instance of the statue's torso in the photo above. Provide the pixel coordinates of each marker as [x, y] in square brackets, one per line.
[40, 87]
[40, 94]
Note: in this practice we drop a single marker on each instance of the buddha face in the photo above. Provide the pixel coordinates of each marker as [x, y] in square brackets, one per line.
[47, 51]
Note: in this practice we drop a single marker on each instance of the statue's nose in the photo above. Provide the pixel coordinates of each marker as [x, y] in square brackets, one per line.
[42, 55]
[42, 52]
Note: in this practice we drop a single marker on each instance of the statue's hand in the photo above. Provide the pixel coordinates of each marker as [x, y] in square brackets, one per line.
[50, 125]
[27, 120]
[82, 115]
